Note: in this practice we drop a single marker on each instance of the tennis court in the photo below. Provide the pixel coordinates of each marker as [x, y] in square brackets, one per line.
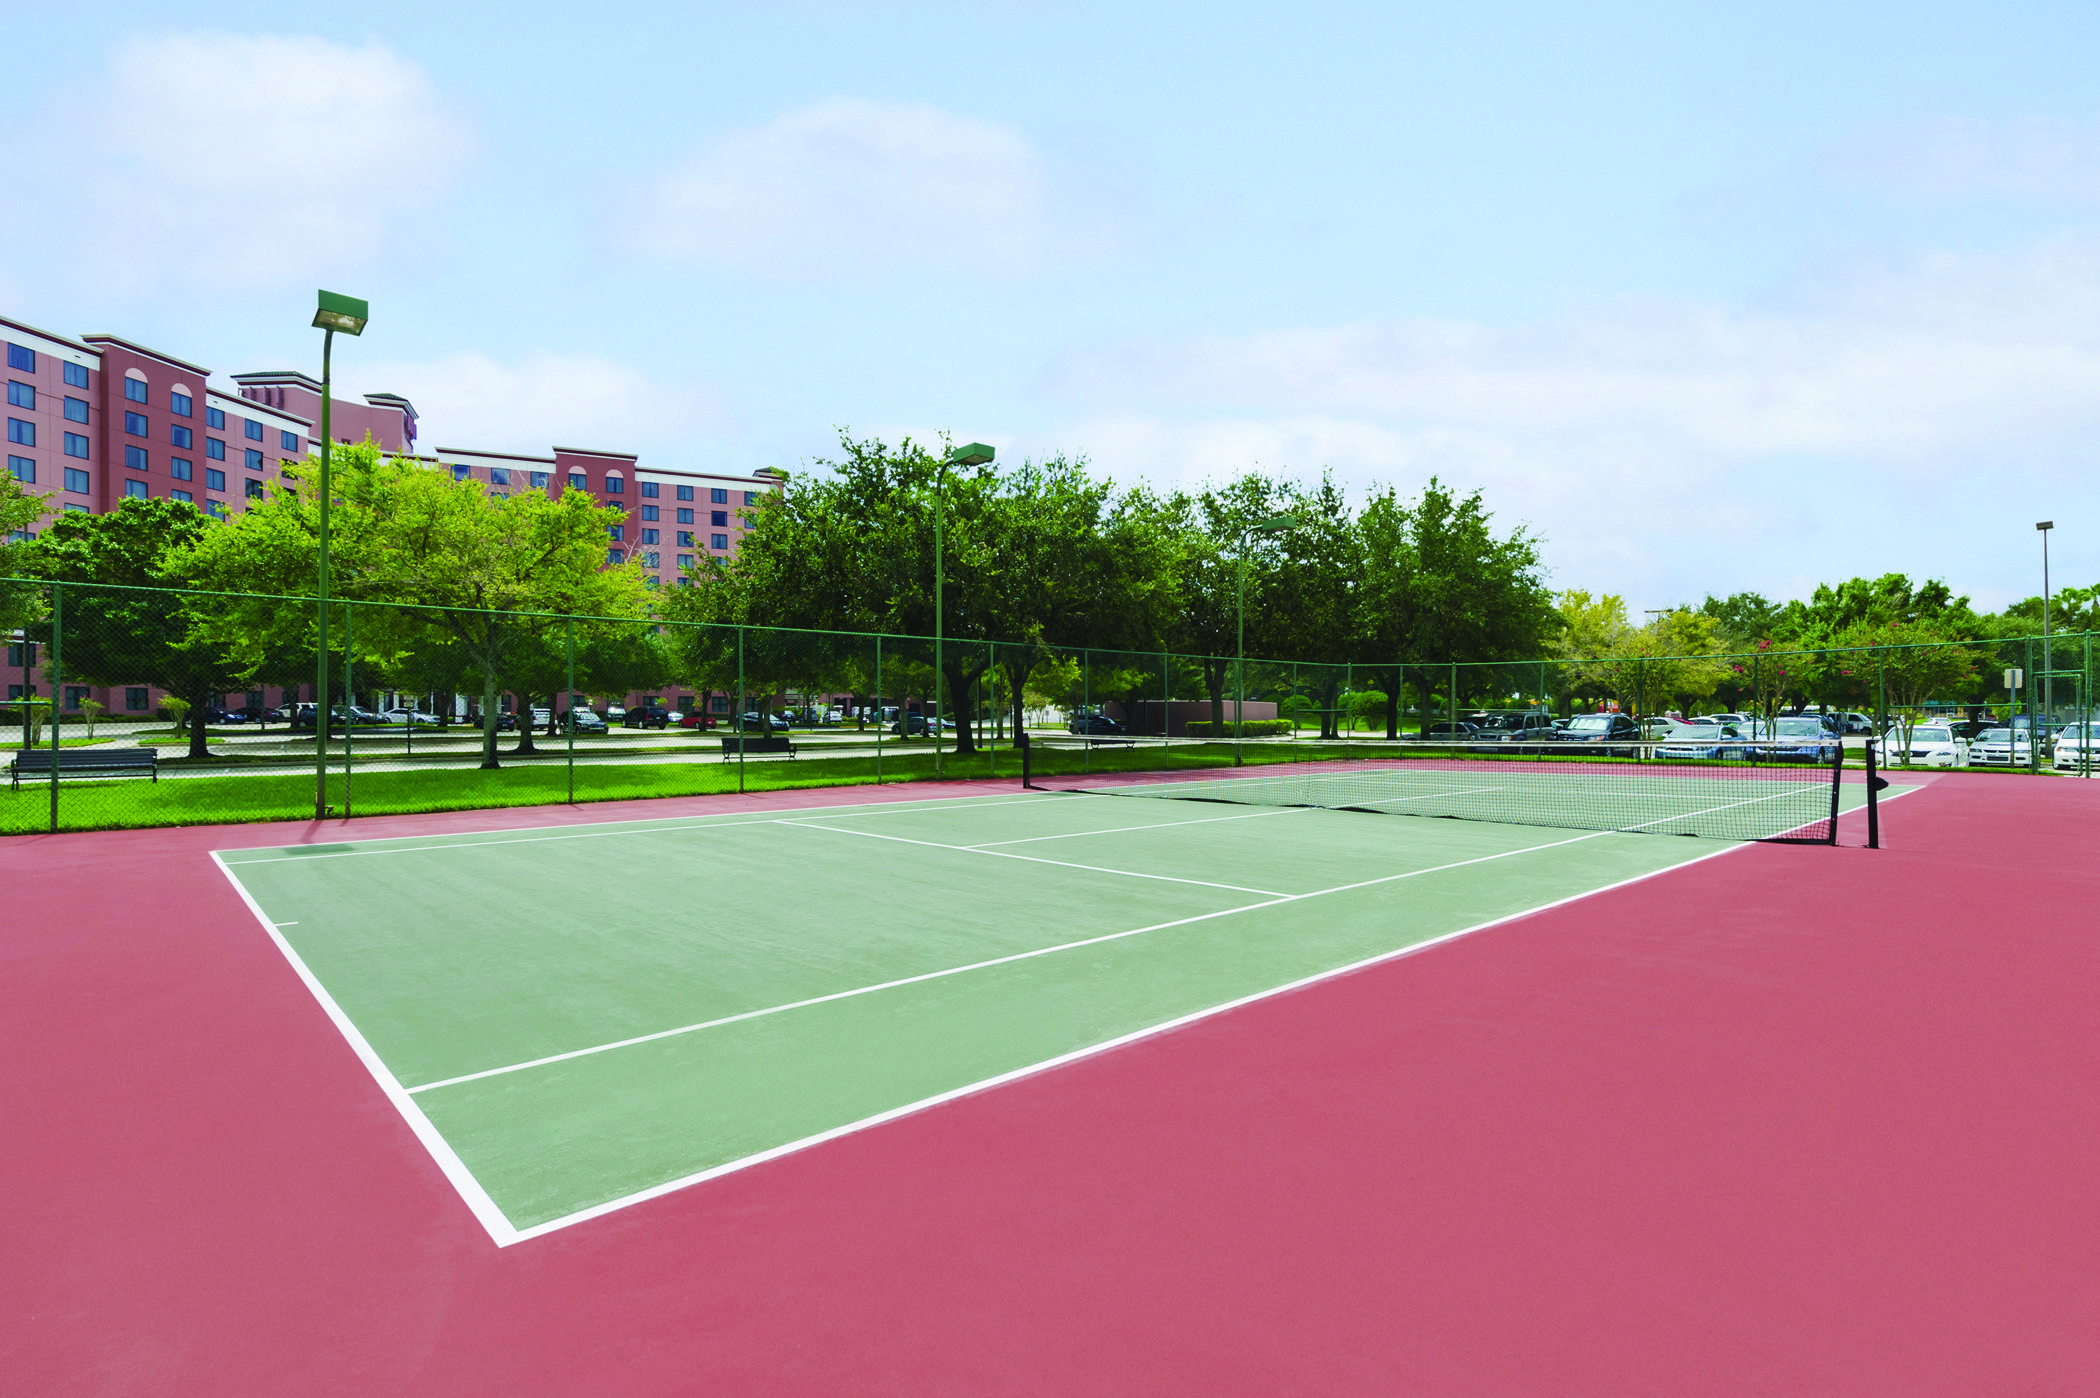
[576, 1019]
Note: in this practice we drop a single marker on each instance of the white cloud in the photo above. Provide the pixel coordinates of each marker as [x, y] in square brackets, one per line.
[225, 159]
[851, 190]
[2035, 157]
[473, 402]
[1884, 419]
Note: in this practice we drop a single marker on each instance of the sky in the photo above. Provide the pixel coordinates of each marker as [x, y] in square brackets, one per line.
[1708, 301]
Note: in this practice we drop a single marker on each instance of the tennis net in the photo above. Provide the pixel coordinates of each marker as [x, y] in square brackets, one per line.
[1768, 790]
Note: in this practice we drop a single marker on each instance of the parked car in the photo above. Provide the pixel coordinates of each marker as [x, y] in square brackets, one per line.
[2077, 747]
[1093, 723]
[1931, 745]
[1448, 731]
[1603, 728]
[615, 714]
[696, 720]
[763, 723]
[2001, 747]
[643, 716]
[1799, 738]
[1851, 724]
[415, 718]
[1711, 742]
[1515, 728]
[914, 725]
[585, 721]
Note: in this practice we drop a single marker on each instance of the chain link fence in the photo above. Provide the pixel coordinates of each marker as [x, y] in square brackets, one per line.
[136, 706]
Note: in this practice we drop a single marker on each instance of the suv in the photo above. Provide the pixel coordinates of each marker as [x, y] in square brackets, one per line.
[646, 716]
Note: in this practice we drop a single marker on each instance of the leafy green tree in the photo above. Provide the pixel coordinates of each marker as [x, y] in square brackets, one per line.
[20, 603]
[116, 635]
[494, 578]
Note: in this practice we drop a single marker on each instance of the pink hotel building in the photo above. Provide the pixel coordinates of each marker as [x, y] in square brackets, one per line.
[97, 420]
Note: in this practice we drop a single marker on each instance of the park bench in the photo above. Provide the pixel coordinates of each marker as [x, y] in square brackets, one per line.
[756, 743]
[72, 761]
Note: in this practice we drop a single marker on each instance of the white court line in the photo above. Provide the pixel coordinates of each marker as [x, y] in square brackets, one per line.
[455, 1170]
[657, 1191]
[704, 822]
[1277, 901]
[1033, 859]
[1433, 796]
[1125, 829]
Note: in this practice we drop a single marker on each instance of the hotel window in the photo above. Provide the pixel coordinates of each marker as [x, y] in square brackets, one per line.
[255, 489]
[718, 518]
[179, 468]
[215, 508]
[20, 395]
[460, 473]
[652, 560]
[21, 357]
[215, 419]
[253, 429]
[181, 436]
[214, 448]
[612, 556]
[685, 516]
[136, 490]
[135, 424]
[76, 410]
[576, 480]
[685, 538]
[685, 492]
[254, 460]
[14, 657]
[617, 533]
[135, 701]
[648, 536]
[498, 476]
[21, 433]
[539, 480]
[76, 695]
[615, 485]
[287, 441]
[649, 512]
[77, 481]
[135, 389]
[73, 509]
[135, 458]
[179, 404]
[215, 480]
[76, 445]
[182, 495]
[750, 497]
[685, 560]
[76, 375]
[22, 468]
[649, 490]
[717, 496]
[718, 541]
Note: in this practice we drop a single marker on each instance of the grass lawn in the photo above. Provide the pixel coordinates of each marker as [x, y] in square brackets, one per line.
[135, 804]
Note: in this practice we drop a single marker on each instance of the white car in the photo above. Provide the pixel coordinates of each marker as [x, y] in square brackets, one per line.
[2000, 747]
[414, 717]
[1931, 745]
[2078, 747]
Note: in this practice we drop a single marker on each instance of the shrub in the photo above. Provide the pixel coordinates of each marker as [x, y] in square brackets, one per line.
[1252, 728]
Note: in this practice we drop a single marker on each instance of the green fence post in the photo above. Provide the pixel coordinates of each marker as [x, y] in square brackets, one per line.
[570, 701]
[739, 716]
[991, 673]
[58, 679]
[349, 702]
[1166, 714]
[2034, 746]
[321, 713]
[879, 696]
[1454, 701]
[2086, 709]
[1086, 703]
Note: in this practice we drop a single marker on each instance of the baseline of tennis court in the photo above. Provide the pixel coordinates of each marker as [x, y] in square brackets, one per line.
[575, 1019]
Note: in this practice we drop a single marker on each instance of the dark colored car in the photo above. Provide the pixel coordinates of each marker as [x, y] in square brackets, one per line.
[1094, 723]
[584, 721]
[763, 723]
[1515, 728]
[646, 716]
[1798, 738]
[1433, 732]
[1601, 729]
[913, 725]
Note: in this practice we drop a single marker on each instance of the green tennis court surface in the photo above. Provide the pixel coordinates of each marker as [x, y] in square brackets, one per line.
[576, 1018]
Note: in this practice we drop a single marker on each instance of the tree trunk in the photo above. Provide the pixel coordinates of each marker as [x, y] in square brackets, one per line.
[489, 761]
[525, 747]
[197, 747]
[1017, 673]
[961, 680]
[1214, 673]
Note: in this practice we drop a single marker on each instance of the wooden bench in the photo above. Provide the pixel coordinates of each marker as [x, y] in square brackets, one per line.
[132, 761]
[756, 743]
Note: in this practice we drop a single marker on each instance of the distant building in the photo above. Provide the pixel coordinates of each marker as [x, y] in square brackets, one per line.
[96, 420]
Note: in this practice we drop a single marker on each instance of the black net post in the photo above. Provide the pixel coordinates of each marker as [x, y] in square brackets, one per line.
[1874, 785]
[1837, 786]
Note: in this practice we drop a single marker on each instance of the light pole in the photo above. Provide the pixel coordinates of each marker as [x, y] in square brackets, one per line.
[970, 454]
[1273, 525]
[2048, 679]
[347, 314]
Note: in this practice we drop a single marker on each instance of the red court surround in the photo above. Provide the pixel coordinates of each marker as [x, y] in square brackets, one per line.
[1790, 1121]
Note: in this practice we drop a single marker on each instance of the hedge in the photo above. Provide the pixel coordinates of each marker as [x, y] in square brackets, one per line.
[1252, 728]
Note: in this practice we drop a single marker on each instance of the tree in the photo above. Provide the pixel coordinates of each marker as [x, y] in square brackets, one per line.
[20, 603]
[116, 633]
[495, 578]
